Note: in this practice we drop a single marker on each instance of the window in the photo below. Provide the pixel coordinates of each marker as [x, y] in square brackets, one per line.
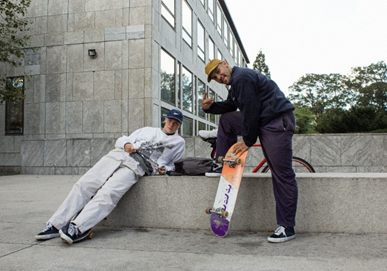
[232, 46]
[187, 23]
[211, 49]
[218, 99]
[14, 111]
[211, 94]
[178, 79]
[201, 91]
[167, 82]
[164, 114]
[235, 49]
[225, 34]
[168, 11]
[203, 2]
[211, 9]
[219, 55]
[186, 81]
[201, 126]
[187, 126]
[219, 20]
[201, 41]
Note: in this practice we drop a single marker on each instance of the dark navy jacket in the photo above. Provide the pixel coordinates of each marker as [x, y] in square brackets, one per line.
[258, 98]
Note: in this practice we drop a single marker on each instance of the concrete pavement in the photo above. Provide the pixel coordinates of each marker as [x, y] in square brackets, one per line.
[27, 201]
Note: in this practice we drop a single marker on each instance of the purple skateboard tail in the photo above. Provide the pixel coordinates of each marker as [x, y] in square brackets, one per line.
[219, 225]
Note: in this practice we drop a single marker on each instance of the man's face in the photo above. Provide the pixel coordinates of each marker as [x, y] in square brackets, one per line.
[171, 126]
[222, 73]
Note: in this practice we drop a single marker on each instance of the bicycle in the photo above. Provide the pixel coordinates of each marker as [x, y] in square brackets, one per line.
[298, 162]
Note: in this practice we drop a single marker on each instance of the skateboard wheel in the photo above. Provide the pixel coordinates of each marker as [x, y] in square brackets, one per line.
[238, 161]
[91, 235]
[208, 210]
[220, 159]
[224, 214]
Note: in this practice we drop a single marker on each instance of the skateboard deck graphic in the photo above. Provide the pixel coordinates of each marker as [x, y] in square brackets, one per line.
[226, 195]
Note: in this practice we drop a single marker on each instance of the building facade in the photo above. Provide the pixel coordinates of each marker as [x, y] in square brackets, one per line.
[97, 70]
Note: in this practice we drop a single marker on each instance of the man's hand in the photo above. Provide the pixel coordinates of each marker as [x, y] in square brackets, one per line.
[129, 148]
[207, 102]
[240, 147]
[162, 170]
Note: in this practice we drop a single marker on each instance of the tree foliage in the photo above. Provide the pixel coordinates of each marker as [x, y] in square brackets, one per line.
[320, 92]
[13, 40]
[260, 64]
[358, 119]
[340, 103]
[305, 120]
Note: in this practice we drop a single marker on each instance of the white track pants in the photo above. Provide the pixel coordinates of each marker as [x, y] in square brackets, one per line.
[106, 182]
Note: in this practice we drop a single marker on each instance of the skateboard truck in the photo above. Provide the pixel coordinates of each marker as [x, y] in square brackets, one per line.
[220, 211]
[231, 162]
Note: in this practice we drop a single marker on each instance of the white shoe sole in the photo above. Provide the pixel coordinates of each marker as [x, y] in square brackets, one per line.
[280, 240]
[213, 175]
[46, 236]
[65, 237]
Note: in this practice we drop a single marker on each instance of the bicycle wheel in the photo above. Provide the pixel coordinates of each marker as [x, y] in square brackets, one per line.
[299, 165]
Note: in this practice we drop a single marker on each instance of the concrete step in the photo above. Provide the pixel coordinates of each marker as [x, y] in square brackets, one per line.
[328, 203]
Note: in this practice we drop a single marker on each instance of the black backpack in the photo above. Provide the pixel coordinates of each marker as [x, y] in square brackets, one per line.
[193, 166]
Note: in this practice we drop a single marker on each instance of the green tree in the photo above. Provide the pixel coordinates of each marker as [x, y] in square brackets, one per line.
[320, 92]
[374, 95]
[342, 104]
[364, 76]
[357, 119]
[304, 120]
[260, 64]
[331, 121]
[13, 40]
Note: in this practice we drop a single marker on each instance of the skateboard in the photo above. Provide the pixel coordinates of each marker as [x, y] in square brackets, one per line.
[226, 195]
[87, 234]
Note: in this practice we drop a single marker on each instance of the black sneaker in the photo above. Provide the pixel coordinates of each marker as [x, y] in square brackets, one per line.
[47, 233]
[282, 234]
[71, 234]
[216, 170]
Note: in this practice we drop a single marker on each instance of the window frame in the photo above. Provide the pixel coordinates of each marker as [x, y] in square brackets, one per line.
[219, 20]
[186, 33]
[171, 13]
[175, 90]
[201, 48]
[210, 9]
[9, 106]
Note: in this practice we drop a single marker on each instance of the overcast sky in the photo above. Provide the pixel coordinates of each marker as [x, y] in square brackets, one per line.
[311, 36]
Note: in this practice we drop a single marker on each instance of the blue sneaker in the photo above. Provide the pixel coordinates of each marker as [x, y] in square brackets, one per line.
[47, 233]
[71, 234]
[216, 170]
[282, 234]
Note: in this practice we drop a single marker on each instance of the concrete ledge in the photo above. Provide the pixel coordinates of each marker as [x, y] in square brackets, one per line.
[328, 202]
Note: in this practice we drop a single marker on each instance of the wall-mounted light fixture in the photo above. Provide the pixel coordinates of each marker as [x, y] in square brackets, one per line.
[92, 53]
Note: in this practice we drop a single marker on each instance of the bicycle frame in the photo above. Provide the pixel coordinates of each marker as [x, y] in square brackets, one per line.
[300, 161]
[261, 163]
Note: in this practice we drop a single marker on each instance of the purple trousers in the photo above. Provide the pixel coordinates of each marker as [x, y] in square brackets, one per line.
[276, 140]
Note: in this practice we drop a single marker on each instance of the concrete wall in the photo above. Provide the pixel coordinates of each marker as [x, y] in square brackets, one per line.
[71, 95]
[327, 153]
[336, 203]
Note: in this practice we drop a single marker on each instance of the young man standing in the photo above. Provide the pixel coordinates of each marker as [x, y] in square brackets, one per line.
[97, 192]
[265, 113]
